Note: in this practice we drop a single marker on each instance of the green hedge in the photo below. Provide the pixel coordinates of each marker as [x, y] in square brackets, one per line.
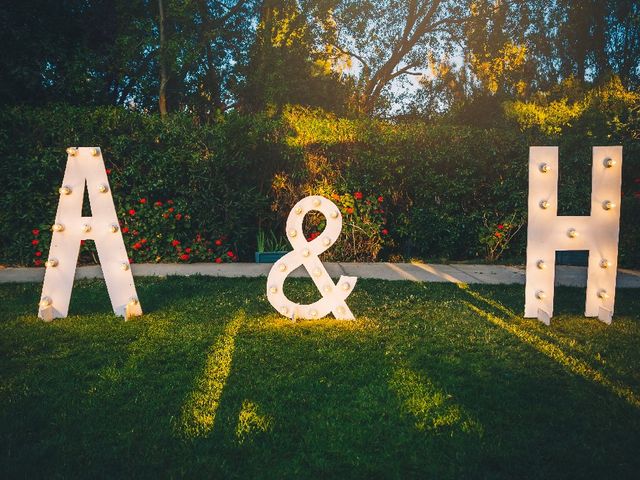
[447, 190]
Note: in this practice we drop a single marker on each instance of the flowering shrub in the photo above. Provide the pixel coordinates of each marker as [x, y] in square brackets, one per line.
[161, 231]
[496, 236]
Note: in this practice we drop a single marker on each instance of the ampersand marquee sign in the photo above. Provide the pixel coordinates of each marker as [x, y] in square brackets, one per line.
[85, 165]
[306, 253]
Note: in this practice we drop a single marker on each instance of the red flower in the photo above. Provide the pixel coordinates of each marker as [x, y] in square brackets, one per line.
[108, 170]
[132, 212]
[175, 243]
[218, 242]
[35, 231]
[34, 242]
[349, 210]
[178, 216]
[131, 260]
[184, 257]
[170, 209]
[380, 199]
[143, 200]
[218, 260]
[157, 204]
[335, 196]
[82, 242]
[165, 215]
[38, 253]
[143, 241]
[498, 234]
[137, 246]
[385, 231]
[37, 262]
[188, 250]
[135, 232]
[358, 195]
[170, 202]
[229, 253]
[500, 227]
[198, 237]
[125, 229]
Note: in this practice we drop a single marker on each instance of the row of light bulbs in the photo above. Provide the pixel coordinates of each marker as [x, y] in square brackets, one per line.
[66, 190]
[48, 301]
[312, 313]
[73, 151]
[602, 294]
[604, 263]
[608, 162]
[86, 228]
[606, 205]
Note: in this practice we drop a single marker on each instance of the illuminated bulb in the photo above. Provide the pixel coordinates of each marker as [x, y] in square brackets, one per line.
[326, 289]
[298, 210]
[65, 190]
[124, 267]
[346, 286]
[133, 301]
[102, 188]
[544, 204]
[72, 151]
[540, 295]
[608, 205]
[45, 302]
[544, 167]
[114, 228]
[334, 214]
[306, 252]
[317, 272]
[316, 202]
[609, 162]
[86, 228]
[341, 310]
[95, 152]
[326, 242]
[273, 289]
[541, 265]
[604, 263]
[58, 227]
[282, 267]
[52, 262]
[572, 233]
[313, 312]
[292, 233]
[603, 294]
[284, 310]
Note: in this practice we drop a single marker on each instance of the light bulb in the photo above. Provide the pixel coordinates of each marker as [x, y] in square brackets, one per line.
[95, 152]
[604, 263]
[334, 214]
[306, 252]
[346, 286]
[124, 266]
[45, 302]
[293, 233]
[572, 233]
[317, 272]
[313, 312]
[608, 205]
[102, 188]
[603, 294]
[609, 162]
[52, 262]
[541, 265]
[273, 289]
[65, 190]
[298, 210]
[540, 295]
[57, 227]
[282, 267]
[341, 310]
[544, 204]
[316, 202]
[114, 228]
[284, 309]
[326, 289]
[133, 301]
[326, 241]
[544, 167]
[86, 228]
[72, 151]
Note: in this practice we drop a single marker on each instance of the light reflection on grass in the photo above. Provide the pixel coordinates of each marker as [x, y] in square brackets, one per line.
[199, 411]
[251, 421]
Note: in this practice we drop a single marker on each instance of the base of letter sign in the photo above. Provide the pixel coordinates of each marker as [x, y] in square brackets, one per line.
[605, 315]
[544, 317]
[46, 313]
[132, 311]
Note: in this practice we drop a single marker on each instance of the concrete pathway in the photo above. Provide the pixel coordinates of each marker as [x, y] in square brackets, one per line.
[417, 272]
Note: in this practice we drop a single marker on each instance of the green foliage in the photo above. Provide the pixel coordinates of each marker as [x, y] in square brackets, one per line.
[430, 381]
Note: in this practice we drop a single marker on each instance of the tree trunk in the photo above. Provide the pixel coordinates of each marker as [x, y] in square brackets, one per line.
[164, 74]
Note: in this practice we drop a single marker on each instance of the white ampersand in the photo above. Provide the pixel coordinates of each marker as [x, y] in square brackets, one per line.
[306, 253]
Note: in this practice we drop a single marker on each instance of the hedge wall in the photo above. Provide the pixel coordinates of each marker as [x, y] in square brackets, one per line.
[444, 192]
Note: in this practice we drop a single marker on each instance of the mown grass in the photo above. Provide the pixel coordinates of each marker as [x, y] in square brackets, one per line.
[432, 380]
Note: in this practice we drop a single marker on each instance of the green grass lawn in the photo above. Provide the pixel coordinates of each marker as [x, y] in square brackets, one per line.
[432, 380]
